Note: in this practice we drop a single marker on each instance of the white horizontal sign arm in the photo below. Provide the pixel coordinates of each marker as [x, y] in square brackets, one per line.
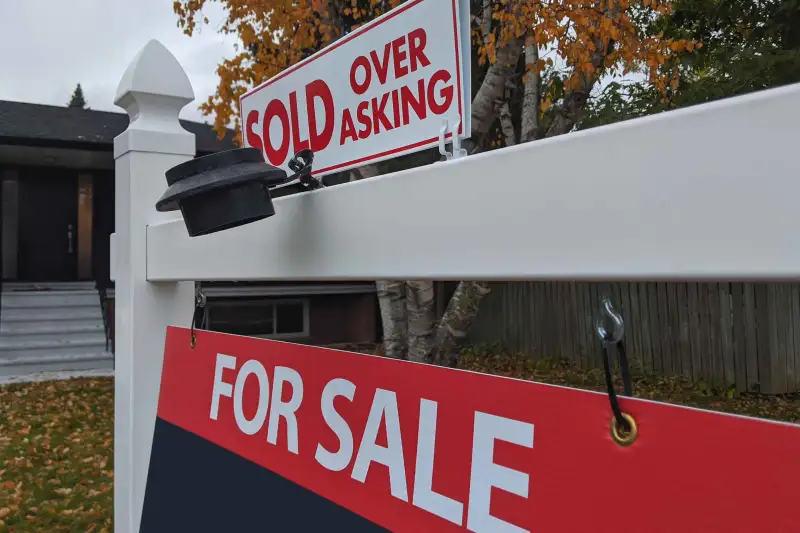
[708, 192]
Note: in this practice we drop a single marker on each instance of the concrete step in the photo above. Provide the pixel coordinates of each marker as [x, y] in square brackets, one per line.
[13, 300]
[12, 348]
[87, 360]
[43, 314]
[53, 337]
[51, 327]
[49, 286]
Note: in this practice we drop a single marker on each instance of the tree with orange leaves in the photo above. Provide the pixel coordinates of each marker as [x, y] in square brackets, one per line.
[538, 63]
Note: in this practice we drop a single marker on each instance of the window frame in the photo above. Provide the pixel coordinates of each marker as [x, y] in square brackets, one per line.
[274, 303]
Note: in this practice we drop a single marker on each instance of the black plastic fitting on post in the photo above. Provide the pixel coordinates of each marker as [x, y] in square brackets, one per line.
[228, 189]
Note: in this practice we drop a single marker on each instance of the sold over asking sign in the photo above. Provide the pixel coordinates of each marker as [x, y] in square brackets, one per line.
[255, 435]
[382, 91]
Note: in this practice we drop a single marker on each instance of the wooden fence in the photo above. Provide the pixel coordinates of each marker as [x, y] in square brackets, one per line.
[742, 335]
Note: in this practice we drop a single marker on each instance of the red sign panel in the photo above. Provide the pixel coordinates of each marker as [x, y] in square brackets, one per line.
[256, 435]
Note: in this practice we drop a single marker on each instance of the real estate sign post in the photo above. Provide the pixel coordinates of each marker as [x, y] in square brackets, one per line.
[230, 433]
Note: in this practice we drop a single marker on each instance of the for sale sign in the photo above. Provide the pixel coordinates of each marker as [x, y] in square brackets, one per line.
[255, 435]
[382, 91]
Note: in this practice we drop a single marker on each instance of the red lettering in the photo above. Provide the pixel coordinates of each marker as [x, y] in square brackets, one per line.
[276, 109]
[396, 108]
[417, 104]
[379, 114]
[348, 128]
[360, 88]
[364, 120]
[446, 93]
[319, 139]
[252, 137]
[381, 69]
[417, 40]
[398, 56]
[299, 144]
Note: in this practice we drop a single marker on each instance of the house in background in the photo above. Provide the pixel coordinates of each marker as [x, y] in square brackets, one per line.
[56, 215]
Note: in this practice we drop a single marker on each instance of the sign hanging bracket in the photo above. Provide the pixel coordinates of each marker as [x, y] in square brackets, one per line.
[458, 152]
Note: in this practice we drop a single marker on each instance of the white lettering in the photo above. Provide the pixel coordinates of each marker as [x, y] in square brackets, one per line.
[486, 474]
[424, 496]
[220, 387]
[384, 406]
[285, 409]
[339, 460]
[251, 427]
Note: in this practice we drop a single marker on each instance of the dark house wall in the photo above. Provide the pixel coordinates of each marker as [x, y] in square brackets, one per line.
[343, 318]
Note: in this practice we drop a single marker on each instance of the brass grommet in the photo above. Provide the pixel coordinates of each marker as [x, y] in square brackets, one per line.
[620, 435]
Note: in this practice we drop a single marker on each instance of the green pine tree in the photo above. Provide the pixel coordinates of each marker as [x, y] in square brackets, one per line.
[78, 99]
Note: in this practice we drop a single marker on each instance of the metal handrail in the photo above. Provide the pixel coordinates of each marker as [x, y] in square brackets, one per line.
[103, 301]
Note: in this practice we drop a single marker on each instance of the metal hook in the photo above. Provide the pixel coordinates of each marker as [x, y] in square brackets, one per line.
[619, 325]
[457, 150]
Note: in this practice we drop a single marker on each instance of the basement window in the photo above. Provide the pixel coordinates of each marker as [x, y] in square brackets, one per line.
[269, 319]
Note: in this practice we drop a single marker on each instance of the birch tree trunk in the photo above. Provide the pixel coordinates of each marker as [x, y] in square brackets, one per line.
[456, 321]
[421, 319]
[530, 99]
[394, 317]
[492, 90]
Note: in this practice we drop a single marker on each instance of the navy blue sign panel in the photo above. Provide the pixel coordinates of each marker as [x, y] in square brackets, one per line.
[197, 486]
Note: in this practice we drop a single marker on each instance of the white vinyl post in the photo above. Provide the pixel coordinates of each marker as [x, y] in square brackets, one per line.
[153, 91]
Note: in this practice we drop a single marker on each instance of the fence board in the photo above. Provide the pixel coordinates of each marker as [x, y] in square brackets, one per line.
[778, 337]
[652, 313]
[795, 385]
[685, 347]
[788, 324]
[547, 317]
[562, 319]
[706, 369]
[635, 324]
[644, 321]
[552, 321]
[674, 322]
[569, 318]
[713, 334]
[726, 334]
[519, 306]
[588, 324]
[763, 336]
[664, 328]
[751, 337]
[509, 323]
[580, 307]
[739, 337]
[694, 329]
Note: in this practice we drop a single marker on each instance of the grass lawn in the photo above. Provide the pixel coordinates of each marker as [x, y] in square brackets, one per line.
[56, 438]
[56, 456]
